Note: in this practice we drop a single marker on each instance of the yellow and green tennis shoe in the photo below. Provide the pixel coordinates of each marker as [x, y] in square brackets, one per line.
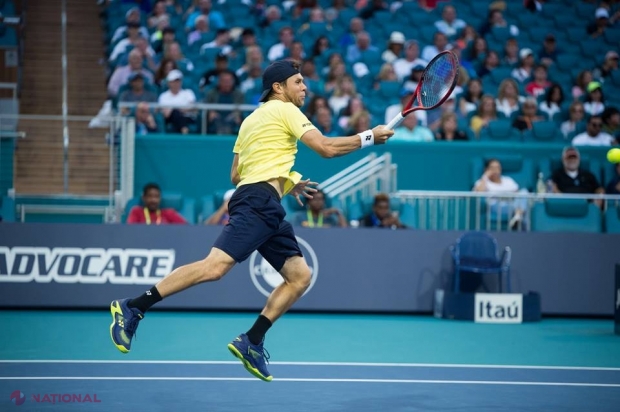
[124, 324]
[253, 357]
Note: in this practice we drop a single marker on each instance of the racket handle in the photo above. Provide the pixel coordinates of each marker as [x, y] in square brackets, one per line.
[395, 121]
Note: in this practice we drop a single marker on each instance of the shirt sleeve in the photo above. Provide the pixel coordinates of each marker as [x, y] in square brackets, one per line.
[295, 121]
[134, 215]
[172, 216]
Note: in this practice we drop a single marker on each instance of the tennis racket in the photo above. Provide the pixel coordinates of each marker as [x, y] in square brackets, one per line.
[437, 83]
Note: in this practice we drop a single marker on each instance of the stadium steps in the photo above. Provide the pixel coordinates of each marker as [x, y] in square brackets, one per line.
[39, 158]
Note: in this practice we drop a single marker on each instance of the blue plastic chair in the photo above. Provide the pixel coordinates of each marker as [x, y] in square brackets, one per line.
[478, 252]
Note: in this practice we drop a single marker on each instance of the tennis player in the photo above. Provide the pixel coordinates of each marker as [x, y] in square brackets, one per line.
[264, 154]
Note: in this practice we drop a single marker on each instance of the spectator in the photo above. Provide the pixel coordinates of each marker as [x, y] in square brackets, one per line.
[496, 19]
[216, 20]
[360, 121]
[133, 34]
[221, 42]
[308, 71]
[603, 20]
[576, 115]
[344, 90]
[394, 48]
[296, 51]
[355, 106]
[386, 74]
[609, 65]
[253, 57]
[570, 178]
[381, 215]
[477, 50]
[334, 71]
[137, 93]
[165, 67]
[581, 84]
[363, 44]
[272, 14]
[173, 51]
[316, 17]
[315, 104]
[540, 83]
[526, 65]
[200, 31]
[159, 13]
[356, 25]
[490, 62]
[595, 100]
[252, 84]
[611, 122]
[163, 39]
[449, 24]
[440, 43]
[321, 45]
[393, 110]
[411, 83]
[145, 122]
[325, 122]
[150, 211]
[486, 112]
[409, 131]
[248, 39]
[528, 115]
[613, 187]
[492, 181]
[120, 77]
[511, 52]
[552, 103]
[220, 217]
[210, 76]
[534, 6]
[224, 121]
[177, 99]
[373, 7]
[132, 16]
[277, 51]
[594, 135]
[467, 36]
[299, 6]
[448, 129]
[548, 55]
[317, 215]
[404, 65]
[470, 99]
[508, 99]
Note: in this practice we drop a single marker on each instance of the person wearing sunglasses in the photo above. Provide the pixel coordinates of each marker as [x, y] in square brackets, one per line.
[594, 134]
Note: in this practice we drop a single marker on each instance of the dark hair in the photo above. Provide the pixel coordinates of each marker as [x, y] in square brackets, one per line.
[296, 65]
[488, 162]
[467, 94]
[315, 46]
[550, 90]
[150, 186]
[596, 116]
[588, 98]
[381, 197]
[608, 112]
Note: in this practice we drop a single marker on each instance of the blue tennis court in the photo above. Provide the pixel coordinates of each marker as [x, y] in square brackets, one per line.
[319, 362]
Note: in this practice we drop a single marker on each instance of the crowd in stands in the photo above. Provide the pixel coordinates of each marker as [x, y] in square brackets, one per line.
[361, 59]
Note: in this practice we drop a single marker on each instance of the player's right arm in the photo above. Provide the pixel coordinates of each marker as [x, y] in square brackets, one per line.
[338, 146]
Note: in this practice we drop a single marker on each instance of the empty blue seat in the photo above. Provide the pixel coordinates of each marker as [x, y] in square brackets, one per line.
[566, 215]
[500, 130]
[612, 219]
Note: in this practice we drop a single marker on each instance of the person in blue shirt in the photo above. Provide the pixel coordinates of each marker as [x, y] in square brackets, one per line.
[216, 19]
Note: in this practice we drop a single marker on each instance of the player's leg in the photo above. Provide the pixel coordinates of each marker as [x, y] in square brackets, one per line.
[284, 255]
[127, 313]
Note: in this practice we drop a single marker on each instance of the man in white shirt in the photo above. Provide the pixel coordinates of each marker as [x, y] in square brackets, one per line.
[449, 25]
[133, 34]
[177, 99]
[395, 109]
[409, 131]
[593, 136]
[277, 51]
[440, 43]
[222, 41]
[404, 65]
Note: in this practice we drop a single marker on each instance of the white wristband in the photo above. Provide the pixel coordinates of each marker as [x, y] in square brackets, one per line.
[367, 138]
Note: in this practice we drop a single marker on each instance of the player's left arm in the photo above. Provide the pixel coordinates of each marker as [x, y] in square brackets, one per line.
[234, 172]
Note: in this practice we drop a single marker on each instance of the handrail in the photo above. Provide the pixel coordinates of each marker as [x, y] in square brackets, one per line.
[327, 182]
[65, 107]
[507, 195]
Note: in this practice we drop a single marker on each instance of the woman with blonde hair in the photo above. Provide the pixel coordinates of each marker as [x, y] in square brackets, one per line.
[386, 74]
[486, 113]
[343, 92]
[253, 57]
[360, 121]
[508, 99]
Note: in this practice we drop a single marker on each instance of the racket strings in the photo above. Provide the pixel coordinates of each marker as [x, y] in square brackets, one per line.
[438, 80]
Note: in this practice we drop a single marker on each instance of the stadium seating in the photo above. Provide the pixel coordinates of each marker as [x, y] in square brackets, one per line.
[574, 215]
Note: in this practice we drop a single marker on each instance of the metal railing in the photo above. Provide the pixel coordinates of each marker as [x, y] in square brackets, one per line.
[446, 210]
[9, 86]
[202, 110]
[363, 179]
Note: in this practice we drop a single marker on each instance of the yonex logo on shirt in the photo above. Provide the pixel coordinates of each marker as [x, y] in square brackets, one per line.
[306, 125]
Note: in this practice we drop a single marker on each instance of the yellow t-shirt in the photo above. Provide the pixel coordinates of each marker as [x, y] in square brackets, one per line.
[267, 143]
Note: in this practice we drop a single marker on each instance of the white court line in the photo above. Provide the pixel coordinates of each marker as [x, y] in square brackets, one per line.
[326, 380]
[352, 364]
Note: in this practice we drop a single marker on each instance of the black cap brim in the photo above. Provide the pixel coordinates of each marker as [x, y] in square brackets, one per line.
[264, 94]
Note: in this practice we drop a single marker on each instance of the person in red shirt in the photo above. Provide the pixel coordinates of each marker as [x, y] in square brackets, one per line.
[540, 83]
[150, 213]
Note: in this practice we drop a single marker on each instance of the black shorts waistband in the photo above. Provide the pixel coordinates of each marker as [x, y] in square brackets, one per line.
[268, 187]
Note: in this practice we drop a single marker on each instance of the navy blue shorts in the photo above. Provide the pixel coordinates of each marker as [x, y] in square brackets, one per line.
[257, 223]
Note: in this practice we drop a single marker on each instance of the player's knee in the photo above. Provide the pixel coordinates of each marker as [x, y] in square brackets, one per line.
[213, 270]
[303, 279]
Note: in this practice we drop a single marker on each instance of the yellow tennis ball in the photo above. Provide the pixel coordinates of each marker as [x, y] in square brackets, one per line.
[614, 155]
